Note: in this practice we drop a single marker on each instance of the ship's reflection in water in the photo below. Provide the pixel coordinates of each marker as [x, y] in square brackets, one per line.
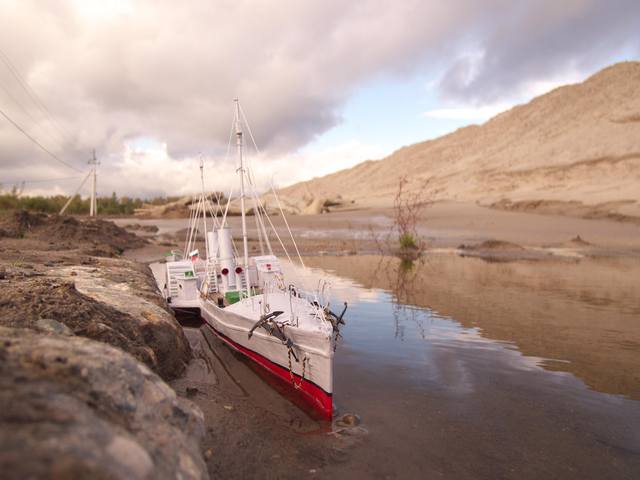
[471, 369]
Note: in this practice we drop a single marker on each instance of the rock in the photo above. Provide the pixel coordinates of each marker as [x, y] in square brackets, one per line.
[192, 391]
[48, 325]
[179, 208]
[71, 407]
[142, 228]
[492, 245]
[315, 207]
[348, 420]
[579, 241]
[116, 303]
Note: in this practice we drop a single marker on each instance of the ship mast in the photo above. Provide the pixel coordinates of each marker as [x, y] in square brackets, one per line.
[242, 197]
[203, 203]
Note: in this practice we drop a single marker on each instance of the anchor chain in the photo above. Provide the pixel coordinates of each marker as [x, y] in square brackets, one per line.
[336, 339]
[296, 385]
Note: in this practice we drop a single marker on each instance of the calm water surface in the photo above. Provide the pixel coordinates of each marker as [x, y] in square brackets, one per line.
[462, 368]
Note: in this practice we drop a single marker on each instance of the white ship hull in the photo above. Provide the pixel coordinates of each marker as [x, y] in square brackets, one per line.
[311, 374]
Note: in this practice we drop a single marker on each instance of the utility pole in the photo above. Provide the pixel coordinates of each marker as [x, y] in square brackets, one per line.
[93, 208]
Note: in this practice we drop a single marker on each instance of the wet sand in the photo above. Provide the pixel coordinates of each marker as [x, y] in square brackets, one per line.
[443, 225]
[253, 428]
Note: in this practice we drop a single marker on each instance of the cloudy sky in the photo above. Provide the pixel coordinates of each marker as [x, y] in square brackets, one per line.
[324, 85]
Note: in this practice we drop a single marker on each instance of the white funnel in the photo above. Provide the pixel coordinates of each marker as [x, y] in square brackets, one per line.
[212, 241]
[227, 259]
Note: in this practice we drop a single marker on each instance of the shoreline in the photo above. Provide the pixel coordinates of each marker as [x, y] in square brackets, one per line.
[444, 227]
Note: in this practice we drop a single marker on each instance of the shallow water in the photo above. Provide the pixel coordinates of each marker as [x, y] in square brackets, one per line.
[464, 368]
[165, 225]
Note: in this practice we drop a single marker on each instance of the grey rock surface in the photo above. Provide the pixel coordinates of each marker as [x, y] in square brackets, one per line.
[71, 407]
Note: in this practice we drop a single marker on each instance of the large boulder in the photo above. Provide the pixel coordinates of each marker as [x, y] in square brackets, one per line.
[114, 301]
[71, 407]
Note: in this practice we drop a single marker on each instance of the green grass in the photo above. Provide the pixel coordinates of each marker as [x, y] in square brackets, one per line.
[406, 265]
[408, 242]
[112, 205]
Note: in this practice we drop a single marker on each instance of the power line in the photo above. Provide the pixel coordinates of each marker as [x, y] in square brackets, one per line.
[51, 154]
[15, 101]
[26, 112]
[47, 180]
[31, 93]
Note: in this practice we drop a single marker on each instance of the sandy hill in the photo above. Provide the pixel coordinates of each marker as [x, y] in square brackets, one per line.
[574, 148]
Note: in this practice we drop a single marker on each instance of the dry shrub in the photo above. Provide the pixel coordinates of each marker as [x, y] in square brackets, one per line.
[408, 205]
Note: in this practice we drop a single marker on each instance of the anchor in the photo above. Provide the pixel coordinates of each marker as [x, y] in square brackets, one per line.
[275, 330]
[336, 320]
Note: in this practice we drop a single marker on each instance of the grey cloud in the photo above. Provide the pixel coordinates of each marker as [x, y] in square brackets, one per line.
[168, 71]
[542, 40]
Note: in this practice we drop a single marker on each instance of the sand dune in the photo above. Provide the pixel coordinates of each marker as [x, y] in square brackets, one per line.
[576, 148]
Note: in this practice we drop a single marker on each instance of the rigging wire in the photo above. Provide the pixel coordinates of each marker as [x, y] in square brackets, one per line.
[226, 157]
[295, 245]
[42, 147]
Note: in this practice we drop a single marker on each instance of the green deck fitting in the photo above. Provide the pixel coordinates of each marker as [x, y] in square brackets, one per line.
[232, 297]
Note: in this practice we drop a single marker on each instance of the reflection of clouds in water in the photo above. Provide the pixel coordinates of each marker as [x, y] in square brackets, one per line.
[337, 233]
[423, 339]
[370, 296]
[574, 321]
[449, 356]
[414, 341]
[341, 289]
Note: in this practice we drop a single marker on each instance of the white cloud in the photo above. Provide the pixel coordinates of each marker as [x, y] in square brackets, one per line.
[146, 169]
[538, 87]
[310, 164]
[467, 113]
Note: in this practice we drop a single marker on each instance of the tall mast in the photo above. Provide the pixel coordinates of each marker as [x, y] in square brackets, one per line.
[242, 195]
[203, 201]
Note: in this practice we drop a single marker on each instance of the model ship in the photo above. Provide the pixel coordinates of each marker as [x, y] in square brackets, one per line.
[248, 301]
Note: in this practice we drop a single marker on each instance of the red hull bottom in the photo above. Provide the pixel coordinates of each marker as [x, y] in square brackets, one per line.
[321, 401]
